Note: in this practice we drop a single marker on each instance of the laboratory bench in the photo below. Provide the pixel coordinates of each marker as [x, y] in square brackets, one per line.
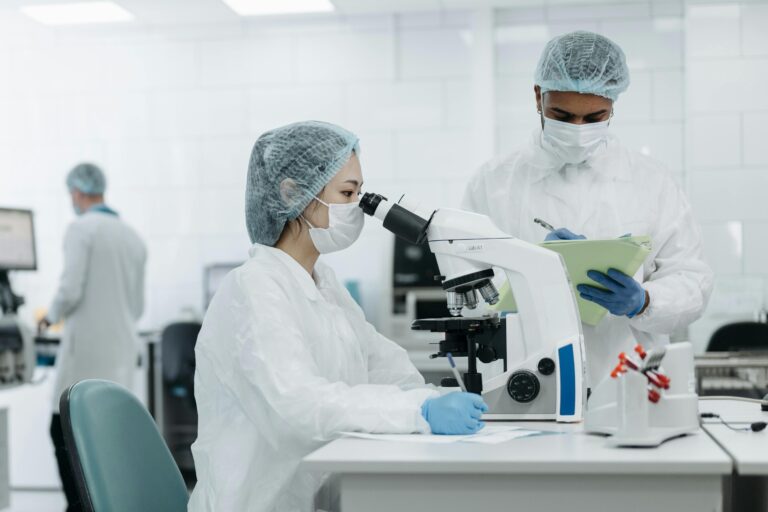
[747, 488]
[566, 470]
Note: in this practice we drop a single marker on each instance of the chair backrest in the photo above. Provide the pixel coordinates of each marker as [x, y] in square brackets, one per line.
[739, 336]
[119, 459]
[178, 352]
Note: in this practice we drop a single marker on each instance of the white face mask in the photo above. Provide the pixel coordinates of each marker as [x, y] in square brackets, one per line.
[574, 143]
[345, 222]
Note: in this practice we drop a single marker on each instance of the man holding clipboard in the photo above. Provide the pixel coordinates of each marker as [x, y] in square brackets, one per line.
[581, 179]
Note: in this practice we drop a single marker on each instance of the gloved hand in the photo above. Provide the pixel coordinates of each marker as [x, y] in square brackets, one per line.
[563, 234]
[624, 295]
[455, 413]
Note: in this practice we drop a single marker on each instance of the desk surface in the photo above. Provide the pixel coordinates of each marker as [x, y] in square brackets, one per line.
[573, 451]
[749, 450]
[733, 411]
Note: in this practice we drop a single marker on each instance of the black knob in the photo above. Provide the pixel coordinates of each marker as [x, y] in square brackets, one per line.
[546, 366]
[486, 354]
[523, 386]
[449, 382]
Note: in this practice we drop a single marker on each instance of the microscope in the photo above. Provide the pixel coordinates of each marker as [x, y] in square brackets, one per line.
[541, 345]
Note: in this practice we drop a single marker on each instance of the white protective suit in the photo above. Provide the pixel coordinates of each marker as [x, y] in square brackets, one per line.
[100, 298]
[285, 363]
[615, 192]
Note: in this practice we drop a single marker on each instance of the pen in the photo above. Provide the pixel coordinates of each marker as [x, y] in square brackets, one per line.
[546, 225]
[456, 372]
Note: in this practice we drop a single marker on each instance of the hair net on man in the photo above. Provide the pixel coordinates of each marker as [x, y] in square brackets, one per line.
[583, 62]
[289, 166]
[88, 179]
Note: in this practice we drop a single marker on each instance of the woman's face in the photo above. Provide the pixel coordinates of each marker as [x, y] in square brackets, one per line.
[344, 188]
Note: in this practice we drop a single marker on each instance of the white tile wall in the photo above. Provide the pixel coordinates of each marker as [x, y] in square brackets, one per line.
[725, 151]
[443, 53]
[753, 138]
[754, 37]
[714, 140]
[756, 247]
[706, 20]
[723, 247]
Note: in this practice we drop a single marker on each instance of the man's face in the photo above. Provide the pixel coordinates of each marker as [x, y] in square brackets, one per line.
[573, 107]
[77, 200]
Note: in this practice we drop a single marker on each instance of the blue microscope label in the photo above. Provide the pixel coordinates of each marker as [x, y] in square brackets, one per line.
[567, 380]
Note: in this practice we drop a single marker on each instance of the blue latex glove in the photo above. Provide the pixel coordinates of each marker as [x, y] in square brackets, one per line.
[624, 295]
[563, 234]
[455, 413]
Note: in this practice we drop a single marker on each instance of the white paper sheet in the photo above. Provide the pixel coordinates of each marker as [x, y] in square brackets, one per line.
[491, 434]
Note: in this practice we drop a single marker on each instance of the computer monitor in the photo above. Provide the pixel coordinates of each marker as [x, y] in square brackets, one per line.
[17, 240]
[414, 266]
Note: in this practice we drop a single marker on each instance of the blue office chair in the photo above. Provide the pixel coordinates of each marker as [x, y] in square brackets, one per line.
[120, 461]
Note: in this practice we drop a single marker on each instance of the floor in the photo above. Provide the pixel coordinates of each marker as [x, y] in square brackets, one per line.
[36, 501]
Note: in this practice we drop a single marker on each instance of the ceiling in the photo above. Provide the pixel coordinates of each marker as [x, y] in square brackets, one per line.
[163, 12]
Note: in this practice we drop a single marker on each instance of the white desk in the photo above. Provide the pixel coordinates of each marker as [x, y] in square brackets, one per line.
[573, 471]
[748, 488]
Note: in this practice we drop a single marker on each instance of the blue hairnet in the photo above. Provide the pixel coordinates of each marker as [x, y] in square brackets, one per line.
[289, 166]
[583, 62]
[88, 179]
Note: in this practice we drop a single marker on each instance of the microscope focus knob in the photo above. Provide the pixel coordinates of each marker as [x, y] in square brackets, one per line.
[546, 366]
[523, 386]
[486, 354]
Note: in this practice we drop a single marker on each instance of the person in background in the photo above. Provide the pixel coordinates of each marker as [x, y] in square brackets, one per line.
[285, 359]
[576, 175]
[100, 299]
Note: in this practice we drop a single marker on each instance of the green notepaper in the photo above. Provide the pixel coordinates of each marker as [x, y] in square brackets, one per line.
[624, 254]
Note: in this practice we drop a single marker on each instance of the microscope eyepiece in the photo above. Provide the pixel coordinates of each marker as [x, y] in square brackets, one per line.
[370, 202]
[402, 222]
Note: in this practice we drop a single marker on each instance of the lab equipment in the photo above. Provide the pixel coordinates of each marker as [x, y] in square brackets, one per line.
[17, 252]
[541, 346]
[573, 143]
[649, 397]
[622, 296]
[583, 62]
[412, 292]
[87, 178]
[455, 371]
[288, 168]
[546, 225]
[454, 413]
[345, 223]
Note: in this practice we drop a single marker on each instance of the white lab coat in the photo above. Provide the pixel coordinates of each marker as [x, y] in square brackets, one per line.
[285, 363]
[617, 191]
[100, 297]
